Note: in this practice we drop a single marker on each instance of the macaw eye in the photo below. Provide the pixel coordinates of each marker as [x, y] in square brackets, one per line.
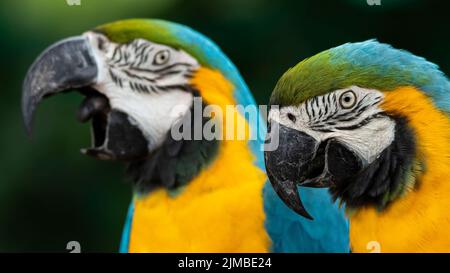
[161, 57]
[347, 99]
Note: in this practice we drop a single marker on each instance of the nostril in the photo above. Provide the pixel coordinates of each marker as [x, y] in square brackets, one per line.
[101, 43]
[291, 117]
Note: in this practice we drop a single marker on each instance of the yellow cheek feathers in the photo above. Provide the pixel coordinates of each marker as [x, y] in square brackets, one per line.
[419, 221]
[431, 126]
[217, 92]
[221, 209]
[213, 86]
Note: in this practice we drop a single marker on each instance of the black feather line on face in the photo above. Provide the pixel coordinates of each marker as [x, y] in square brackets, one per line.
[143, 84]
[174, 164]
[124, 69]
[361, 123]
[383, 180]
[348, 116]
[161, 70]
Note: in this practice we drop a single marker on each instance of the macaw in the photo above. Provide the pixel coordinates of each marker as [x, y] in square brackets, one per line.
[142, 79]
[369, 123]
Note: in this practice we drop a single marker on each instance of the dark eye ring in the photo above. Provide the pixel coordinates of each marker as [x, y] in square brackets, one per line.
[348, 99]
[161, 57]
[291, 117]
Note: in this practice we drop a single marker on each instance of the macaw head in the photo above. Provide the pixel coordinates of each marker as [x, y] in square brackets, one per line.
[363, 119]
[140, 78]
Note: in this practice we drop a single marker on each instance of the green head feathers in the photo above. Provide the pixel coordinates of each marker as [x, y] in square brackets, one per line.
[158, 31]
[368, 64]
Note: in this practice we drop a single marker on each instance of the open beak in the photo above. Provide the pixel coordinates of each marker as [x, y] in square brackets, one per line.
[65, 65]
[71, 64]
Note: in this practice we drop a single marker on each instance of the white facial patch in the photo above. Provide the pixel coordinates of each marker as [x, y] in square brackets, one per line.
[351, 116]
[145, 80]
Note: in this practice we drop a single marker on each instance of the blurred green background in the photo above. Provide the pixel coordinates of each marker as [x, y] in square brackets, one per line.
[50, 194]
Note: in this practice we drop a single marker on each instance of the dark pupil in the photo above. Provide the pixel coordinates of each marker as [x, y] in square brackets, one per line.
[347, 99]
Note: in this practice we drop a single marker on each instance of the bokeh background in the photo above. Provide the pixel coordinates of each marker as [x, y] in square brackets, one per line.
[50, 194]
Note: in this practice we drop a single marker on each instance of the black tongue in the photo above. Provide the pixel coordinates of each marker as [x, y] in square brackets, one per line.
[92, 105]
[115, 135]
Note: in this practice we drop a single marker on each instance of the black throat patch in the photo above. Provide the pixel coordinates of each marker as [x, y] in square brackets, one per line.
[175, 163]
[384, 179]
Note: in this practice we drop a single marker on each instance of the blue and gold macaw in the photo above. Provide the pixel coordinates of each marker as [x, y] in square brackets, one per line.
[370, 123]
[143, 81]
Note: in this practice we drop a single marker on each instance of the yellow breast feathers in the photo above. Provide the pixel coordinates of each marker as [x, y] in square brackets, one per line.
[221, 210]
[420, 220]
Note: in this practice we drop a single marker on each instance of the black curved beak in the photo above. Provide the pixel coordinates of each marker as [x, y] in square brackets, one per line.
[298, 160]
[65, 65]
